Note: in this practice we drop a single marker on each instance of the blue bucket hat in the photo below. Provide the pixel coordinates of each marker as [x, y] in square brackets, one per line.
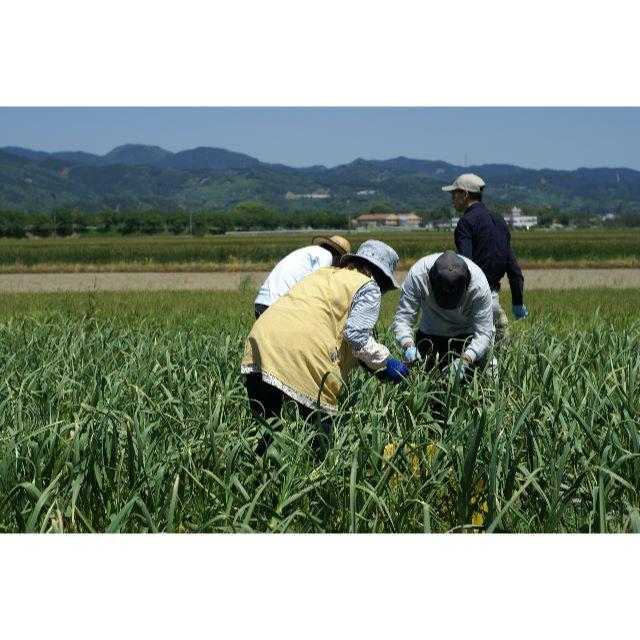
[378, 254]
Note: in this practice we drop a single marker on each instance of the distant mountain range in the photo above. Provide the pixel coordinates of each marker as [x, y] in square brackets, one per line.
[139, 177]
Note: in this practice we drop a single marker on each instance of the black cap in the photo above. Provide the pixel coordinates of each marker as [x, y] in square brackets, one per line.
[449, 277]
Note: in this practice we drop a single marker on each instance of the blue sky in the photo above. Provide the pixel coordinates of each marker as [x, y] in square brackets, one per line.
[556, 138]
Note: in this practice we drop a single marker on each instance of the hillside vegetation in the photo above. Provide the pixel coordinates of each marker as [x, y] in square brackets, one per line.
[138, 177]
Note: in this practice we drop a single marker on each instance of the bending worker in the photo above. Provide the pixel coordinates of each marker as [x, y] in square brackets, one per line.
[483, 236]
[314, 335]
[323, 252]
[455, 300]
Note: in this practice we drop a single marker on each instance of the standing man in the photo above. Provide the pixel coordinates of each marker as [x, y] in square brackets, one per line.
[483, 236]
[323, 252]
[457, 318]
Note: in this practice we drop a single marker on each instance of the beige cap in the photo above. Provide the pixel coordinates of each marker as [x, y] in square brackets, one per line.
[338, 243]
[466, 182]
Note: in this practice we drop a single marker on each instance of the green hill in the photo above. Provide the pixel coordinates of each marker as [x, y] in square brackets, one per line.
[142, 177]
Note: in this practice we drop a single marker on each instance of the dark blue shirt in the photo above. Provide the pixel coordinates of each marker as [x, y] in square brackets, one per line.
[483, 236]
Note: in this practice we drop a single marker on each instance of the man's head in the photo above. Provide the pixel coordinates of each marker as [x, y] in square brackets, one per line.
[465, 190]
[336, 245]
[449, 278]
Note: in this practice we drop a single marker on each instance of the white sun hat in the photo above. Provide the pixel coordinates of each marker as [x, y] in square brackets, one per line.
[466, 182]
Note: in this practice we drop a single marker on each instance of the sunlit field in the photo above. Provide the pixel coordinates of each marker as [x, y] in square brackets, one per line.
[126, 412]
[240, 251]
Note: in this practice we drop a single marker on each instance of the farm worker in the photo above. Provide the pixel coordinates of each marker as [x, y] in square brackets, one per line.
[313, 336]
[323, 252]
[457, 318]
[483, 236]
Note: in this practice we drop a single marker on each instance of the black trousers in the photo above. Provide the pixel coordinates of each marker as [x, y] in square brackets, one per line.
[446, 348]
[440, 349]
[266, 401]
[259, 309]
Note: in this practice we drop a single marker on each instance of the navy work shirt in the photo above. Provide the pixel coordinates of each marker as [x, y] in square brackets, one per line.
[483, 236]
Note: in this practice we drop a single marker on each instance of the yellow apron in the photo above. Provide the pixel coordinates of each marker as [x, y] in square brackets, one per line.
[298, 339]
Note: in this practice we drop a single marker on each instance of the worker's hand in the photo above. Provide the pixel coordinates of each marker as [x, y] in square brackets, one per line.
[457, 368]
[519, 311]
[411, 355]
[396, 371]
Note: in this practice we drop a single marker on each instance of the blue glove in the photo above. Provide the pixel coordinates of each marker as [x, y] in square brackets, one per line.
[459, 366]
[519, 311]
[411, 355]
[396, 370]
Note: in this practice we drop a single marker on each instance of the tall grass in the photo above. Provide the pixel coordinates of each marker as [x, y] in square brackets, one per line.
[129, 424]
[232, 310]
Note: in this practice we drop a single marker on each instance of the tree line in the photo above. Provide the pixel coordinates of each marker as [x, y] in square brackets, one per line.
[243, 217]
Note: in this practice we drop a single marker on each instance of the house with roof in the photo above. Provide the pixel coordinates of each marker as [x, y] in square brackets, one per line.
[388, 221]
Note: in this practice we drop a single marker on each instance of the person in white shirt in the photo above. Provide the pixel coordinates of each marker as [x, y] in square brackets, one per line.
[454, 297]
[323, 252]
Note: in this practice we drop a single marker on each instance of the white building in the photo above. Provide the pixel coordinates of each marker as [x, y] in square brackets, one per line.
[518, 221]
[444, 224]
[318, 194]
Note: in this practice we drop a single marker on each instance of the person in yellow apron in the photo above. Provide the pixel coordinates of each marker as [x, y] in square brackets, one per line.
[306, 343]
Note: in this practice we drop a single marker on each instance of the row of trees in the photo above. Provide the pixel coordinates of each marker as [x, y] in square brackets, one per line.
[623, 221]
[244, 216]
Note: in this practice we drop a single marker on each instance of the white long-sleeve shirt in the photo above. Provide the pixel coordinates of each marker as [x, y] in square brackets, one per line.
[290, 270]
[473, 316]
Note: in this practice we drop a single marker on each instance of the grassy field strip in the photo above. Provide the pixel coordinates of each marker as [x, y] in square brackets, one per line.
[51, 282]
[596, 248]
[150, 266]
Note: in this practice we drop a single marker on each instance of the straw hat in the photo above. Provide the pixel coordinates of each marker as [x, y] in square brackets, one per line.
[338, 243]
